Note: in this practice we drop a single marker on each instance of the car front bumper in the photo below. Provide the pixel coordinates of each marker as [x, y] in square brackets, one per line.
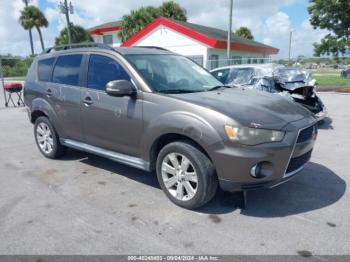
[278, 162]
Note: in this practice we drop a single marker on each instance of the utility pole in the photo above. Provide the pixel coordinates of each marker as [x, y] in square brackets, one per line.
[66, 10]
[229, 31]
[30, 30]
[2, 79]
[290, 45]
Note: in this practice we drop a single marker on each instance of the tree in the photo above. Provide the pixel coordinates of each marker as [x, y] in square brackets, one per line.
[245, 33]
[173, 10]
[333, 16]
[31, 17]
[138, 19]
[78, 34]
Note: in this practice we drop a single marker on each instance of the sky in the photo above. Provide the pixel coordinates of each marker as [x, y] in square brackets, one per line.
[270, 20]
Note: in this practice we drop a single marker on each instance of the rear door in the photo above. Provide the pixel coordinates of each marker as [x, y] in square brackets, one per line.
[113, 123]
[64, 93]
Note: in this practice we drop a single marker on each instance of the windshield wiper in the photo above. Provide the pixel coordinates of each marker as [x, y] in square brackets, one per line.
[218, 87]
[179, 91]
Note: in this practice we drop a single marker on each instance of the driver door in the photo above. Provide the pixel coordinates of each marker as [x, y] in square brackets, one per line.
[113, 123]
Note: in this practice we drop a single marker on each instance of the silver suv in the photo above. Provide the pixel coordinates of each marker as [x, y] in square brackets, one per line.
[159, 111]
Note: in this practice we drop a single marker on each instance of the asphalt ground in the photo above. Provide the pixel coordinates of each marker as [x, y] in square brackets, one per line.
[84, 204]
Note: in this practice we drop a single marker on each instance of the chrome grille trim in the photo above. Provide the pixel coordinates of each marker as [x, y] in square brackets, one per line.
[291, 155]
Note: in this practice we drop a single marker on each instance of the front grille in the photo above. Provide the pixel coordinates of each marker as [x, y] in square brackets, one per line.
[298, 162]
[307, 134]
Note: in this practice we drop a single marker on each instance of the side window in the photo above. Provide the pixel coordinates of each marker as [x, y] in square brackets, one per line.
[67, 70]
[221, 75]
[102, 70]
[45, 69]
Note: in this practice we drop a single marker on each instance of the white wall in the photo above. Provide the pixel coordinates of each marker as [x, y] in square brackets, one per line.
[116, 39]
[173, 41]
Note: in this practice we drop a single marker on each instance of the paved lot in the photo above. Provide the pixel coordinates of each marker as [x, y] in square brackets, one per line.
[84, 204]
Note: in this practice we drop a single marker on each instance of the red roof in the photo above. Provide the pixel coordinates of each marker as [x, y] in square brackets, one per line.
[212, 37]
[104, 28]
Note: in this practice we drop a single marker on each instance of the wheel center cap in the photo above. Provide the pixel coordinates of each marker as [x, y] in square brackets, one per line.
[180, 176]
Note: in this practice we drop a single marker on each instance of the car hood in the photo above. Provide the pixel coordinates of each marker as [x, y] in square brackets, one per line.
[249, 107]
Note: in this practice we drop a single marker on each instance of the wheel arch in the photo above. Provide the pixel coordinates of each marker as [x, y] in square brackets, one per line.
[40, 107]
[168, 138]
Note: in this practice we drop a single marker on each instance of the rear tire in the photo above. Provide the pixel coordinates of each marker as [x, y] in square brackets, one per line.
[47, 139]
[186, 174]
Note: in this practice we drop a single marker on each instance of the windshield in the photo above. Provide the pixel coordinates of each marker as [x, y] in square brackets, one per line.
[241, 76]
[173, 73]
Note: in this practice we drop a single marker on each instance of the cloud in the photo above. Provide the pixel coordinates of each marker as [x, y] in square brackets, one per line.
[14, 39]
[263, 17]
[276, 32]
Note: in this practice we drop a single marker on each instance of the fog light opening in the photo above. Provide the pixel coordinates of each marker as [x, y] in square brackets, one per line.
[261, 170]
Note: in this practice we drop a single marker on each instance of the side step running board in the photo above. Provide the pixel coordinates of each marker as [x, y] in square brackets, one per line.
[121, 158]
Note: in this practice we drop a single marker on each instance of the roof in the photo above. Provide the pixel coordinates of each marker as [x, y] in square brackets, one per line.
[219, 34]
[213, 37]
[142, 51]
[106, 27]
[137, 50]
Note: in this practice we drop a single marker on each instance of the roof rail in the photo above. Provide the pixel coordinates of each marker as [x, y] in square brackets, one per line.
[78, 45]
[155, 47]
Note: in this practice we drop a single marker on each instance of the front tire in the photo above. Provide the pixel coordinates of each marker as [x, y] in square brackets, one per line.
[186, 175]
[47, 139]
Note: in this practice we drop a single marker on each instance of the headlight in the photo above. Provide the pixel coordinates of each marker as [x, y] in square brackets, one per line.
[253, 136]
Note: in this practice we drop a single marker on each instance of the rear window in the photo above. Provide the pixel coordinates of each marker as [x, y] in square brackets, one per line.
[67, 70]
[45, 69]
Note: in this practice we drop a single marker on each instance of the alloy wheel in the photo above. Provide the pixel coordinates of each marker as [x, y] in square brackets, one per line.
[44, 138]
[179, 176]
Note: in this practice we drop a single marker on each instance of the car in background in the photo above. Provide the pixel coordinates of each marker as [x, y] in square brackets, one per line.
[291, 82]
[345, 72]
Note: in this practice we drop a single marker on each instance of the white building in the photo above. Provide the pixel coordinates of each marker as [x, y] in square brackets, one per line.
[205, 45]
[107, 33]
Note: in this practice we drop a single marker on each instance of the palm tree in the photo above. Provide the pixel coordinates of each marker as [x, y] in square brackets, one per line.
[245, 33]
[139, 18]
[26, 2]
[78, 34]
[173, 10]
[31, 17]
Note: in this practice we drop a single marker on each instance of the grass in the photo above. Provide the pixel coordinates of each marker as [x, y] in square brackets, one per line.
[331, 80]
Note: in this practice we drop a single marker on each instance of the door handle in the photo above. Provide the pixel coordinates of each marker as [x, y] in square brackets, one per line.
[88, 101]
[49, 92]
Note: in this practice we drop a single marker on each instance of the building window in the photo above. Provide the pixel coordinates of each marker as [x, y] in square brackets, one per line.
[197, 59]
[237, 60]
[108, 39]
[214, 61]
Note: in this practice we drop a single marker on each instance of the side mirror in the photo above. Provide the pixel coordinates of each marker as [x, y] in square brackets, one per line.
[120, 88]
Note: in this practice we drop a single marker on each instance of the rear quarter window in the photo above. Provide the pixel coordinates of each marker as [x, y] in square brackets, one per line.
[67, 70]
[45, 69]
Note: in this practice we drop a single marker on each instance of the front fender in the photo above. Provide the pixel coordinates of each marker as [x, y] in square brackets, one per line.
[182, 123]
[41, 105]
